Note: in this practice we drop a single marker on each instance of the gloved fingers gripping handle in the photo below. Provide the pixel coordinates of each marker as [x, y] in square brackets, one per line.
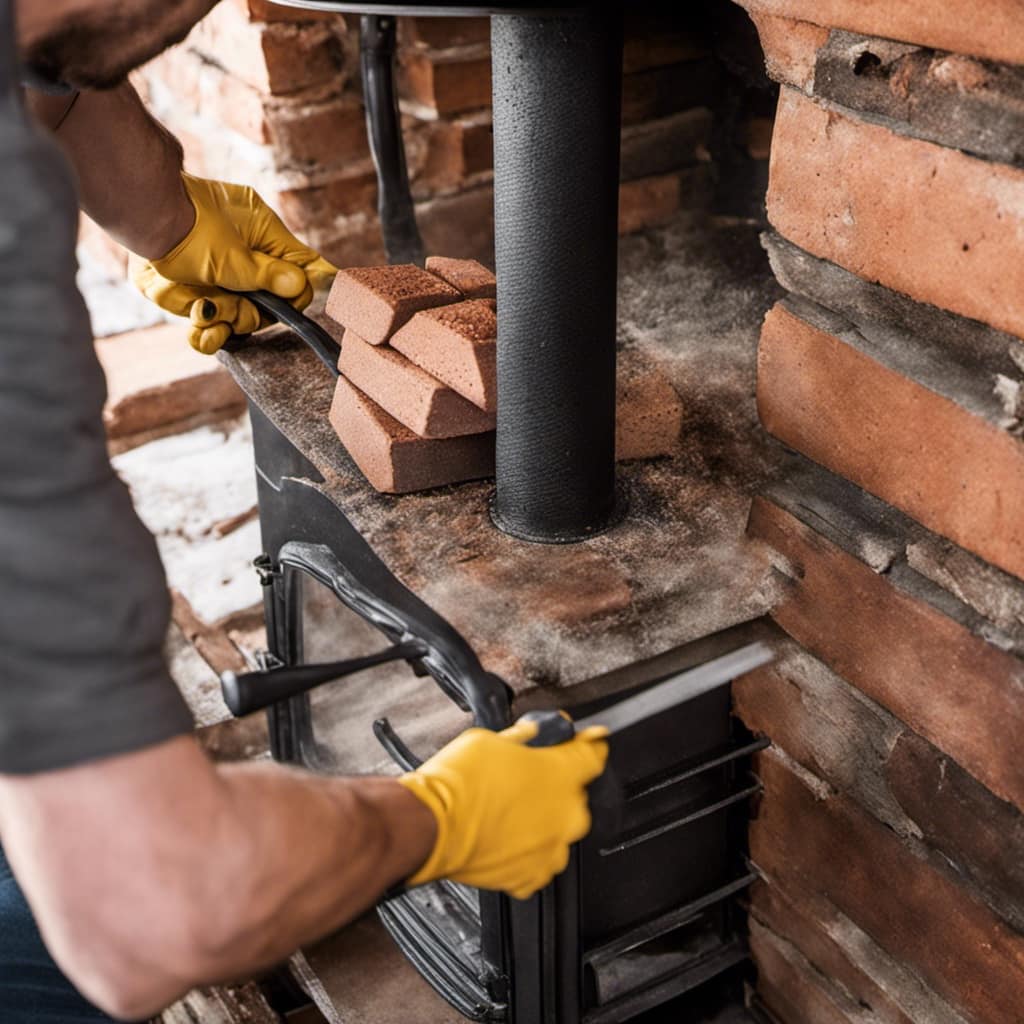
[605, 793]
[506, 814]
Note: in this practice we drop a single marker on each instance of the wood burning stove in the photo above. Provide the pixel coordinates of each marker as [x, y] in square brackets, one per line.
[650, 906]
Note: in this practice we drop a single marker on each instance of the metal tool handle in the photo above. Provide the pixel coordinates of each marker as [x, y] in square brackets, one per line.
[552, 728]
[606, 794]
[327, 350]
[246, 692]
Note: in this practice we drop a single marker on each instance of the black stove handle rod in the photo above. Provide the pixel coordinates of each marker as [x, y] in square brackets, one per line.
[357, 576]
[327, 350]
[245, 692]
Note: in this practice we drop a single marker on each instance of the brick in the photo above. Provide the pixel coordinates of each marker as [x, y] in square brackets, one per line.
[983, 837]
[471, 277]
[654, 40]
[648, 415]
[953, 340]
[442, 33]
[838, 405]
[665, 144]
[957, 101]
[648, 202]
[321, 135]
[840, 955]
[155, 378]
[790, 48]
[944, 815]
[808, 838]
[462, 223]
[278, 58]
[393, 459]
[202, 88]
[448, 81]
[376, 301]
[409, 394]
[359, 243]
[933, 223]
[211, 643]
[317, 205]
[947, 684]
[990, 30]
[435, 157]
[456, 344]
[659, 92]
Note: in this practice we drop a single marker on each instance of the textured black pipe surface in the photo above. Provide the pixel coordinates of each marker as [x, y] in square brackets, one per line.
[557, 86]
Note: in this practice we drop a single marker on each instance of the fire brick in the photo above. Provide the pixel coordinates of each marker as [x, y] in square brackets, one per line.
[471, 277]
[374, 302]
[393, 458]
[930, 222]
[457, 345]
[953, 687]
[417, 400]
[955, 472]
[991, 29]
[809, 838]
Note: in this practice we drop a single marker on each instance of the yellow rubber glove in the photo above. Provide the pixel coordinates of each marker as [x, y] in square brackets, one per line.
[238, 243]
[506, 813]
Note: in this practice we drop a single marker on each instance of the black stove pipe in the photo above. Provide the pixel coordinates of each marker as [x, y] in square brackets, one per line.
[557, 92]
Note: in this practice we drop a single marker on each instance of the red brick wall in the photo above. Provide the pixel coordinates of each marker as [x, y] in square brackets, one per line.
[270, 95]
[890, 836]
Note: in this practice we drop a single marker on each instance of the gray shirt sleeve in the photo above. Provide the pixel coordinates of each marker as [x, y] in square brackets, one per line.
[83, 603]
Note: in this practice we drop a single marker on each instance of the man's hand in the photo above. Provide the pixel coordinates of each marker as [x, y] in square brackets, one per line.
[506, 813]
[237, 243]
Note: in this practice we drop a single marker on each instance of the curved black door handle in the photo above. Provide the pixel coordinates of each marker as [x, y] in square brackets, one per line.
[283, 312]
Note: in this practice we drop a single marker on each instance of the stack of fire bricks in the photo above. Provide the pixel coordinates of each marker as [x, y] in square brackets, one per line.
[416, 401]
[417, 398]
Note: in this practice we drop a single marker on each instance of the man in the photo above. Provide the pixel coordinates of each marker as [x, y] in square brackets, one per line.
[147, 868]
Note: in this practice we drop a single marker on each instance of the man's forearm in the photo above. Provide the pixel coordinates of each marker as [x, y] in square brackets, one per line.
[154, 872]
[128, 166]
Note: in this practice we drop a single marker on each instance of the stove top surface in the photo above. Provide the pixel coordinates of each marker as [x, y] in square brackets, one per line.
[691, 300]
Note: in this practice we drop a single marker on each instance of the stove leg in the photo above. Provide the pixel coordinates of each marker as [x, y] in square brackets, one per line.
[557, 90]
[402, 241]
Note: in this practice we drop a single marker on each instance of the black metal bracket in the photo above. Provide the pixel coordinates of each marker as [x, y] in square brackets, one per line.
[402, 241]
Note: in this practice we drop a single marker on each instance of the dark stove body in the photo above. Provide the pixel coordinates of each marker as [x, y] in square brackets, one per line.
[648, 909]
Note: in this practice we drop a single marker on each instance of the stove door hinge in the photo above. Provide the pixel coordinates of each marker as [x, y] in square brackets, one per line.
[266, 570]
[496, 982]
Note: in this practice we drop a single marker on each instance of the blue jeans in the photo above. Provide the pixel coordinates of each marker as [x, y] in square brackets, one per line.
[32, 988]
